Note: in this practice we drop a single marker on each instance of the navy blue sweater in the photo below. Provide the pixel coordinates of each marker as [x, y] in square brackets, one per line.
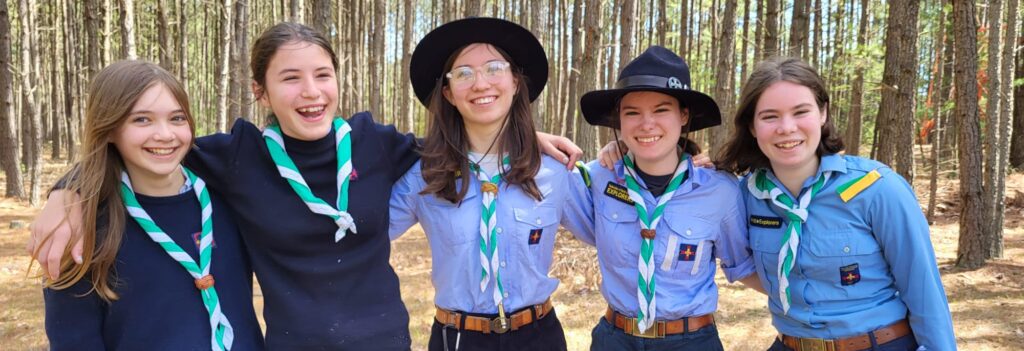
[159, 307]
[319, 294]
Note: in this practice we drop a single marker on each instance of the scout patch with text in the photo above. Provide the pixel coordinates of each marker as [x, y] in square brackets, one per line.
[535, 236]
[618, 192]
[849, 275]
[766, 222]
[687, 252]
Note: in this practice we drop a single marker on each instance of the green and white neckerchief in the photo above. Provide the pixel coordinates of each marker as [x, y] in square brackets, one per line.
[286, 167]
[796, 215]
[489, 229]
[648, 223]
[222, 333]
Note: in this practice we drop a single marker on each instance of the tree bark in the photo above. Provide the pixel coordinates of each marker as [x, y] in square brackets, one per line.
[798, 29]
[406, 107]
[771, 29]
[991, 118]
[72, 67]
[896, 112]
[853, 125]
[93, 48]
[936, 105]
[472, 8]
[240, 64]
[297, 11]
[971, 250]
[128, 29]
[33, 143]
[723, 74]
[10, 158]
[743, 42]
[321, 13]
[375, 66]
[576, 61]
[56, 98]
[816, 44]
[588, 65]
[1002, 149]
[1017, 145]
[183, 43]
[223, 66]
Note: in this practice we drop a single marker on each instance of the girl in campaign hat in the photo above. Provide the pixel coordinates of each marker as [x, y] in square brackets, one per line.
[488, 202]
[658, 222]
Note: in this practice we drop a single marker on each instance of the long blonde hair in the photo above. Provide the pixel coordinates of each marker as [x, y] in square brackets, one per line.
[96, 175]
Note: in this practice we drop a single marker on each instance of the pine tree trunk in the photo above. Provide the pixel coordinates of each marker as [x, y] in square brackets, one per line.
[662, 27]
[771, 29]
[240, 65]
[375, 66]
[1017, 142]
[183, 43]
[33, 144]
[937, 130]
[588, 66]
[816, 44]
[896, 111]
[406, 110]
[321, 12]
[576, 61]
[743, 42]
[472, 8]
[56, 86]
[724, 67]
[971, 250]
[72, 67]
[1002, 149]
[853, 125]
[798, 29]
[223, 66]
[991, 118]
[93, 26]
[684, 28]
[128, 29]
[10, 158]
[297, 11]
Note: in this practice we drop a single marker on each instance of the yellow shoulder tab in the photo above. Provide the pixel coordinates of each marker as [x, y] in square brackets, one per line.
[852, 188]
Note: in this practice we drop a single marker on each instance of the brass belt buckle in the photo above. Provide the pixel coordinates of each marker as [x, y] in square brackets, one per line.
[651, 333]
[501, 323]
[812, 344]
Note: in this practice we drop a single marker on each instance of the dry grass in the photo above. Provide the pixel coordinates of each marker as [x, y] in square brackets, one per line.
[987, 304]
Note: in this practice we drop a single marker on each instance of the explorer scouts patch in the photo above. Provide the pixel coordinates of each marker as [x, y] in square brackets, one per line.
[766, 222]
[535, 236]
[849, 275]
[687, 252]
[618, 192]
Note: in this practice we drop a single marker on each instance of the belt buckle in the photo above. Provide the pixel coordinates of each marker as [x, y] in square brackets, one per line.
[500, 324]
[813, 344]
[651, 333]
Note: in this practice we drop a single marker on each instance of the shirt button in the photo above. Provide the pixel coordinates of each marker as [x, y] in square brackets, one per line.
[505, 295]
[846, 249]
[615, 215]
[538, 221]
[502, 264]
[688, 232]
[498, 230]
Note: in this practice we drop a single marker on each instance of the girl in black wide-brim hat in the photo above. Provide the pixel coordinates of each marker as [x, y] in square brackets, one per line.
[488, 202]
[659, 222]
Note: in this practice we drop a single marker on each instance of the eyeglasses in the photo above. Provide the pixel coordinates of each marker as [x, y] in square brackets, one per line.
[461, 77]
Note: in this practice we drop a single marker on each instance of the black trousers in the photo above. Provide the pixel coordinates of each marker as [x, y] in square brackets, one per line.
[545, 334]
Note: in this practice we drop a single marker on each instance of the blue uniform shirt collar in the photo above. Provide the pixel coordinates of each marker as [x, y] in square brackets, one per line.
[832, 162]
[694, 178]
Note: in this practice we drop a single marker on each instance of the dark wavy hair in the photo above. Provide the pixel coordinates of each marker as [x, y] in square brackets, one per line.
[741, 153]
[264, 48]
[445, 148]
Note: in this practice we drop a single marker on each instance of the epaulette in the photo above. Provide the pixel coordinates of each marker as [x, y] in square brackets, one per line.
[852, 188]
[584, 172]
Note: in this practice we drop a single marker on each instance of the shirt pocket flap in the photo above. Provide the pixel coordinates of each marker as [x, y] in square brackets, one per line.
[689, 227]
[619, 214]
[537, 217]
[838, 243]
[766, 240]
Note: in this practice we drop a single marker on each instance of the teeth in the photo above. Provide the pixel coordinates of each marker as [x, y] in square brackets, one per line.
[161, 151]
[648, 139]
[311, 109]
[484, 100]
[789, 144]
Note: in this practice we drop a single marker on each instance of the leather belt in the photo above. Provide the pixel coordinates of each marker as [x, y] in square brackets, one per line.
[853, 343]
[661, 328]
[493, 325]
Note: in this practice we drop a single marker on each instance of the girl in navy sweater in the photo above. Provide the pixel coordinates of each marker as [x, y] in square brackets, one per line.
[154, 235]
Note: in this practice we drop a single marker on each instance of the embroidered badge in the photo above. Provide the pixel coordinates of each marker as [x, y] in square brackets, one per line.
[852, 188]
[766, 222]
[195, 240]
[849, 275]
[535, 236]
[687, 252]
[618, 192]
[674, 83]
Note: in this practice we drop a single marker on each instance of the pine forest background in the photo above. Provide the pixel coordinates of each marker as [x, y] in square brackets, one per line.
[939, 80]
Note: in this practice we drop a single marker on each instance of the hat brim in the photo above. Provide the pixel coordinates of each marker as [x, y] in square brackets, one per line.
[433, 51]
[598, 107]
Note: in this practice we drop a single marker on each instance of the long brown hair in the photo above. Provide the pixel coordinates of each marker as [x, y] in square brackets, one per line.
[96, 176]
[445, 148]
[741, 153]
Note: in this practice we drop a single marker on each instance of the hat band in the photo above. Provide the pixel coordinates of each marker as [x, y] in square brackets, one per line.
[650, 81]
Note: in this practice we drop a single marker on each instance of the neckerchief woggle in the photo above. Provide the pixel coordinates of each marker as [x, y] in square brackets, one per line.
[648, 223]
[489, 231]
[222, 334]
[286, 167]
[796, 215]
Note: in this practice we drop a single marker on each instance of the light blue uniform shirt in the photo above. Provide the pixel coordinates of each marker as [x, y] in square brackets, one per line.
[876, 244]
[705, 219]
[454, 235]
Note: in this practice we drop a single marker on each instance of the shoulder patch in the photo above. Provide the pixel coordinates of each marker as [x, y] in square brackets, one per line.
[584, 172]
[856, 186]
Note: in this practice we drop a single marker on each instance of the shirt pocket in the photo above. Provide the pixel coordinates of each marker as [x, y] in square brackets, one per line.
[536, 228]
[765, 243]
[692, 250]
[837, 260]
[450, 224]
[619, 229]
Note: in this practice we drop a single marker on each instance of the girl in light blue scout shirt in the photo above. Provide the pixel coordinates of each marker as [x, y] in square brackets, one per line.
[488, 202]
[658, 222]
[839, 241]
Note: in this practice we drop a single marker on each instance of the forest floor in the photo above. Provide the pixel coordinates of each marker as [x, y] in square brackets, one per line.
[987, 303]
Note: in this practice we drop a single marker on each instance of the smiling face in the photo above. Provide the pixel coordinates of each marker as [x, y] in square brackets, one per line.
[301, 89]
[787, 124]
[486, 100]
[154, 137]
[651, 124]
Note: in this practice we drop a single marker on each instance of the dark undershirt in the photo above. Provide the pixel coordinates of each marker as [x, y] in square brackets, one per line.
[655, 184]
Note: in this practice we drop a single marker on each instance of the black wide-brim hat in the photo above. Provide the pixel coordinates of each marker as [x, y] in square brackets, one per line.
[660, 70]
[433, 51]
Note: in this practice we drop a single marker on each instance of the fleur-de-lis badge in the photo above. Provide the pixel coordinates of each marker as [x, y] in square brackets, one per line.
[674, 83]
